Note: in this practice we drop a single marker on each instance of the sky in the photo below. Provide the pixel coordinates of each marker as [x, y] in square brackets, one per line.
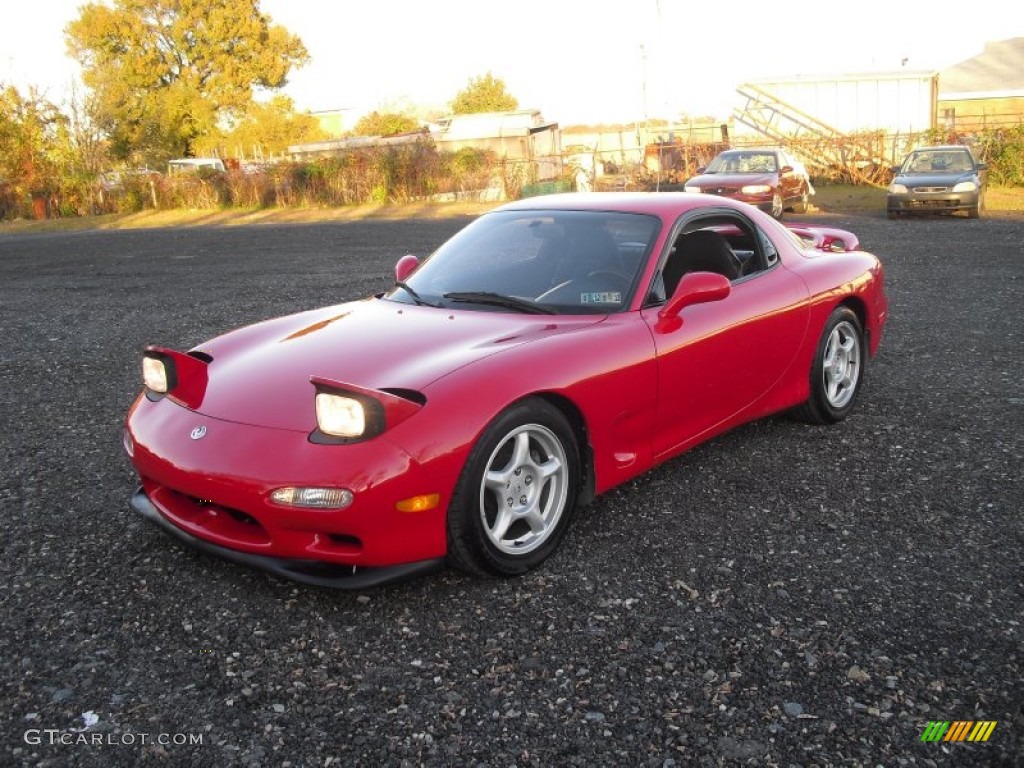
[578, 61]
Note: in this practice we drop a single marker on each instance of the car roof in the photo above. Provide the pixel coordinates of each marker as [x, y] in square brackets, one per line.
[195, 161]
[944, 148]
[664, 204]
[736, 150]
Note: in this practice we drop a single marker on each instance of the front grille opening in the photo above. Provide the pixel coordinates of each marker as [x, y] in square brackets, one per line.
[344, 539]
[205, 518]
[343, 544]
[236, 514]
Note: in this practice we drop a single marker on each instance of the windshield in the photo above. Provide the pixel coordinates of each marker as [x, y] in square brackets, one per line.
[938, 161]
[578, 262]
[743, 162]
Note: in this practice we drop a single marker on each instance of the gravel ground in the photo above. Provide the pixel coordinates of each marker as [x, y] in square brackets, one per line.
[784, 595]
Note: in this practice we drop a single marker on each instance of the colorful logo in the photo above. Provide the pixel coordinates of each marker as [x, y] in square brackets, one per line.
[958, 730]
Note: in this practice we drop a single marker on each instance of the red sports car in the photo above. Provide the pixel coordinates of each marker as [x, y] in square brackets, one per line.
[552, 349]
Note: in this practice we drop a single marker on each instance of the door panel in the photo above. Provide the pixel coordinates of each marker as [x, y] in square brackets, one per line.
[726, 355]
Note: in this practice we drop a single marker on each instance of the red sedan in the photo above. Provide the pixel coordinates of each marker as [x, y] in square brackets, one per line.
[551, 350]
[769, 178]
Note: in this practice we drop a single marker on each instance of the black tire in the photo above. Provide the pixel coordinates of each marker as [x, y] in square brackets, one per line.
[777, 206]
[803, 203]
[979, 206]
[531, 448]
[836, 384]
[892, 215]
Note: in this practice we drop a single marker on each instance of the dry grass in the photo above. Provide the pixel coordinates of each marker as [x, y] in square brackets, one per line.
[1004, 199]
[839, 198]
[235, 217]
[830, 198]
[836, 198]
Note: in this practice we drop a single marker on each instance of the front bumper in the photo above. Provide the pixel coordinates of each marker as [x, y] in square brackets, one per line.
[216, 490]
[762, 200]
[932, 202]
[315, 572]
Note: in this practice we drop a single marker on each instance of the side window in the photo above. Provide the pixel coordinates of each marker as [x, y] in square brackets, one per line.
[768, 250]
[723, 243]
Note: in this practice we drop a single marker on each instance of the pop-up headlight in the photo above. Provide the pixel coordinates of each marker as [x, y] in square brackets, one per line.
[348, 413]
[339, 415]
[157, 374]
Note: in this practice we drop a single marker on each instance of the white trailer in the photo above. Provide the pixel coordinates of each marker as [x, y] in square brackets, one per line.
[893, 102]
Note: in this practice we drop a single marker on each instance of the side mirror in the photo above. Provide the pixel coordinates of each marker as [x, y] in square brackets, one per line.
[982, 166]
[695, 288]
[895, 170]
[786, 169]
[701, 168]
[405, 267]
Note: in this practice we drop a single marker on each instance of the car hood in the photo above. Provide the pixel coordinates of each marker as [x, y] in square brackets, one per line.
[731, 179]
[933, 179]
[261, 374]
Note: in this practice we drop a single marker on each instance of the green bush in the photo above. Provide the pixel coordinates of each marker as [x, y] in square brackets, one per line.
[1003, 150]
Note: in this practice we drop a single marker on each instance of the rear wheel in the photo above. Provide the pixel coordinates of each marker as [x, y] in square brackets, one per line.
[837, 370]
[516, 493]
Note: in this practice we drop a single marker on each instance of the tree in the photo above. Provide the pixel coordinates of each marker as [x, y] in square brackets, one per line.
[32, 130]
[47, 154]
[167, 72]
[267, 128]
[483, 94]
[384, 124]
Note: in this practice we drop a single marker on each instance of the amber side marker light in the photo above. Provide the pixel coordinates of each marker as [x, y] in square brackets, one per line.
[419, 503]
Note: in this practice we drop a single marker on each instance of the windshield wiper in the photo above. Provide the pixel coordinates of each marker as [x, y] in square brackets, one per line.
[497, 300]
[415, 296]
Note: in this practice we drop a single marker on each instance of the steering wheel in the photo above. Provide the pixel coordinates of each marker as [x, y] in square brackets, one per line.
[610, 273]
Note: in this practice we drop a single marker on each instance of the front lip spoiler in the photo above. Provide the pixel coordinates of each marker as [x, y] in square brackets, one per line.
[315, 572]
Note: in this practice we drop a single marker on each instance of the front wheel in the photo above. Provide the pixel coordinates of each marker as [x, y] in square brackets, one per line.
[516, 493]
[777, 206]
[979, 206]
[803, 203]
[837, 370]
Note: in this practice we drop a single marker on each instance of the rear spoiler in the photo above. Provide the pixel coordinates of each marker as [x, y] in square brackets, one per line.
[826, 238]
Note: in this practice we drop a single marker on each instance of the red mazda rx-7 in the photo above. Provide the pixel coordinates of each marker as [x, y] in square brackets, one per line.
[552, 349]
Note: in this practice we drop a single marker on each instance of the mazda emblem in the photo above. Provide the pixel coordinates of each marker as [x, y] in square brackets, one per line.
[198, 432]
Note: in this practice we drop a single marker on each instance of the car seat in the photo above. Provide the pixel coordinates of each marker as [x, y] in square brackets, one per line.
[702, 251]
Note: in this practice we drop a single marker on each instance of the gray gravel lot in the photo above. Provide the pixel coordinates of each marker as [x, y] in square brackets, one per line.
[784, 595]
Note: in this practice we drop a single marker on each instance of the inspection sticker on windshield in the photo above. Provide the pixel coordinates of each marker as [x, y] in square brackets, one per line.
[606, 297]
